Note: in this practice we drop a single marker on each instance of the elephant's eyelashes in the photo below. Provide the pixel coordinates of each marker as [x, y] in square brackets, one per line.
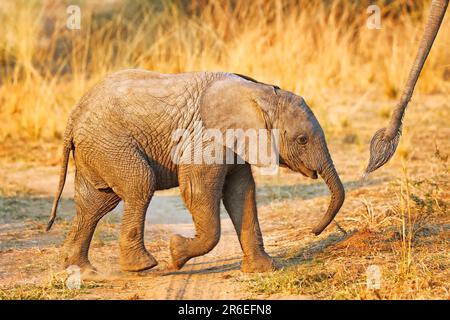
[302, 139]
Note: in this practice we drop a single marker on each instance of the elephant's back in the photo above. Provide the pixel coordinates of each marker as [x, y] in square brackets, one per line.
[138, 106]
[138, 91]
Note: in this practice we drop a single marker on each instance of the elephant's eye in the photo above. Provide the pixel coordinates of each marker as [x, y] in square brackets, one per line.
[302, 139]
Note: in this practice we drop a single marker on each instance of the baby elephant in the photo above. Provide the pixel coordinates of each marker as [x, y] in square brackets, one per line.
[126, 142]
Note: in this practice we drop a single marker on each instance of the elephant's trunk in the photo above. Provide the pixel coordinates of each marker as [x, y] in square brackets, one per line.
[385, 141]
[331, 178]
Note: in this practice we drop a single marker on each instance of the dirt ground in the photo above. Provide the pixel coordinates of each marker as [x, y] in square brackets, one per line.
[24, 242]
[371, 229]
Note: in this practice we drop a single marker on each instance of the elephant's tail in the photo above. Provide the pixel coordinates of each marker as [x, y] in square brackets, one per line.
[67, 147]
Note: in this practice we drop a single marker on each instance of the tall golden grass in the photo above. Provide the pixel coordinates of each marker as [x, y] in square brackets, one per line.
[318, 49]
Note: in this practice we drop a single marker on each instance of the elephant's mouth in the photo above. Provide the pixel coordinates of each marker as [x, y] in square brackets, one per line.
[308, 173]
[300, 167]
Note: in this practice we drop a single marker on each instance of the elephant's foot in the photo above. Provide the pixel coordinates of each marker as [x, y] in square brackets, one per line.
[178, 251]
[135, 261]
[73, 259]
[258, 263]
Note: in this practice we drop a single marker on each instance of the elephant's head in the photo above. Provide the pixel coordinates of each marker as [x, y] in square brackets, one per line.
[303, 149]
[242, 103]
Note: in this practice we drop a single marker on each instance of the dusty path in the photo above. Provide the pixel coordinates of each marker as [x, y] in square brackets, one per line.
[211, 276]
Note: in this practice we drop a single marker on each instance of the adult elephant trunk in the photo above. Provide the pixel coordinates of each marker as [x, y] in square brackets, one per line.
[385, 141]
[331, 178]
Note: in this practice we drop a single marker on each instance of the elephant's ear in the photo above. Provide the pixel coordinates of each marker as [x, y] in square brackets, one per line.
[241, 111]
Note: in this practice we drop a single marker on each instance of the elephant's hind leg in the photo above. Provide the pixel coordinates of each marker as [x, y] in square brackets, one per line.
[133, 254]
[135, 186]
[201, 190]
[91, 206]
[239, 200]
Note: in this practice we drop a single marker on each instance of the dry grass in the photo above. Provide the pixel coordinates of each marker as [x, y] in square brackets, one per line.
[315, 48]
[54, 288]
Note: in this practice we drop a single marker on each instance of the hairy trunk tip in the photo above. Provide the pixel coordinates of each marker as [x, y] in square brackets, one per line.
[382, 148]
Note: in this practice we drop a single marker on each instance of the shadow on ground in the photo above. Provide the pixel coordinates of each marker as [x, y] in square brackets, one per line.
[214, 269]
[308, 252]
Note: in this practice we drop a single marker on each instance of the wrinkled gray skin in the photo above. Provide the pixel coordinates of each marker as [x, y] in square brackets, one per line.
[385, 141]
[120, 134]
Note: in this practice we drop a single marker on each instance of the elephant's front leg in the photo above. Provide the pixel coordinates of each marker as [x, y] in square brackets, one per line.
[201, 189]
[239, 200]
